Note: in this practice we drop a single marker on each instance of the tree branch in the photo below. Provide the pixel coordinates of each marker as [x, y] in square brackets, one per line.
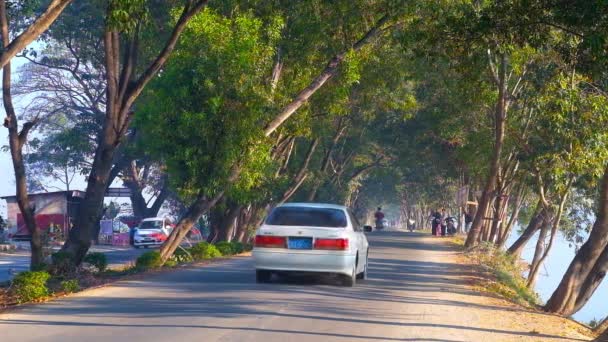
[328, 72]
[33, 31]
[191, 9]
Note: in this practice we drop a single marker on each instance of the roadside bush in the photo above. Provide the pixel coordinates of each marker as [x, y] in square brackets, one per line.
[170, 263]
[507, 273]
[63, 264]
[69, 286]
[224, 247]
[149, 260]
[248, 247]
[237, 247]
[181, 256]
[29, 286]
[98, 260]
[204, 250]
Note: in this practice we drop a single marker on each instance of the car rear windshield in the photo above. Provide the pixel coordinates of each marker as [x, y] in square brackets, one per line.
[303, 216]
[151, 225]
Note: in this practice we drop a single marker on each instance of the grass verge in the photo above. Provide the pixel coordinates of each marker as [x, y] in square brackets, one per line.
[502, 273]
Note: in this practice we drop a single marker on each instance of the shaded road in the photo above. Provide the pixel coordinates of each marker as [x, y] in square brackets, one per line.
[416, 292]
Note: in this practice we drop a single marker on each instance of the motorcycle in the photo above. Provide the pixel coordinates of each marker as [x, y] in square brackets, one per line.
[380, 224]
[451, 225]
[411, 225]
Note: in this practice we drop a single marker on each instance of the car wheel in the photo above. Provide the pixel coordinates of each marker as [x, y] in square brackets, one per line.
[262, 276]
[350, 281]
[137, 247]
[363, 275]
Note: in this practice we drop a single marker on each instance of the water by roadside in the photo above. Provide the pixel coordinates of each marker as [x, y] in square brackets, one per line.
[551, 274]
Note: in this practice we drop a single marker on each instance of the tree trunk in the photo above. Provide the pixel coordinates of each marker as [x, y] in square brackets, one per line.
[554, 221]
[16, 141]
[564, 299]
[226, 230]
[136, 185]
[593, 280]
[487, 222]
[302, 173]
[535, 224]
[499, 133]
[312, 194]
[514, 218]
[200, 206]
[538, 253]
[243, 223]
[498, 208]
[123, 88]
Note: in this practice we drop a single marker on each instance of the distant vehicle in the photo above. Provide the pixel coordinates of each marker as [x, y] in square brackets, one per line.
[307, 237]
[152, 231]
[452, 225]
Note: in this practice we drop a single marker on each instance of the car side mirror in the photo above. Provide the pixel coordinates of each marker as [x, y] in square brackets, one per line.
[367, 229]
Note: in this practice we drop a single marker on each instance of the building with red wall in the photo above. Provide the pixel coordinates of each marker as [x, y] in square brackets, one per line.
[51, 208]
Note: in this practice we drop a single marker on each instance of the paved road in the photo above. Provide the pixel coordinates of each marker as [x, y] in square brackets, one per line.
[10, 263]
[416, 292]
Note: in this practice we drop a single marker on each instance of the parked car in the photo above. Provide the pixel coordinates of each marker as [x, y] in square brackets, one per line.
[152, 232]
[306, 237]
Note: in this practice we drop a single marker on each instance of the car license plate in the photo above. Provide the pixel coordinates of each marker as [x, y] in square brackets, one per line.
[300, 243]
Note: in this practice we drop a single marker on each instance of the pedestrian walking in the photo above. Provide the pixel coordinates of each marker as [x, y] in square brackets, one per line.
[443, 217]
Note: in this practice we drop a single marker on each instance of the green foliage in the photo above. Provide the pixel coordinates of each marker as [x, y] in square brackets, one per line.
[98, 260]
[70, 286]
[29, 286]
[507, 272]
[181, 256]
[237, 247]
[125, 15]
[204, 250]
[214, 91]
[225, 247]
[149, 260]
[63, 264]
[170, 263]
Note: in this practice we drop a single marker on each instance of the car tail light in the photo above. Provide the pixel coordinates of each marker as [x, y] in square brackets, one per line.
[159, 236]
[332, 244]
[270, 241]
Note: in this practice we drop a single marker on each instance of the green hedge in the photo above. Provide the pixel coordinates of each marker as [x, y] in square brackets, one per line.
[237, 247]
[149, 260]
[224, 247]
[204, 250]
[28, 286]
[181, 256]
[98, 260]
[69, 286]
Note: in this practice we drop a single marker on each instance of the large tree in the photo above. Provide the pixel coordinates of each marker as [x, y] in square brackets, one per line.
[129, 67]
[358, 38]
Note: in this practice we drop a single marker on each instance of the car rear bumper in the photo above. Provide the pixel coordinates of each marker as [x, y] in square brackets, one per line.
[304, 261]
[147, 243]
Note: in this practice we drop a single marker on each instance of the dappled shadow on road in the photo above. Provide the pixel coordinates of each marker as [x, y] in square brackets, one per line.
[228, 290]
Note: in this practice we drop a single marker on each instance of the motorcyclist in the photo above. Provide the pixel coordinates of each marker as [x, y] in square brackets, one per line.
[379, 216]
